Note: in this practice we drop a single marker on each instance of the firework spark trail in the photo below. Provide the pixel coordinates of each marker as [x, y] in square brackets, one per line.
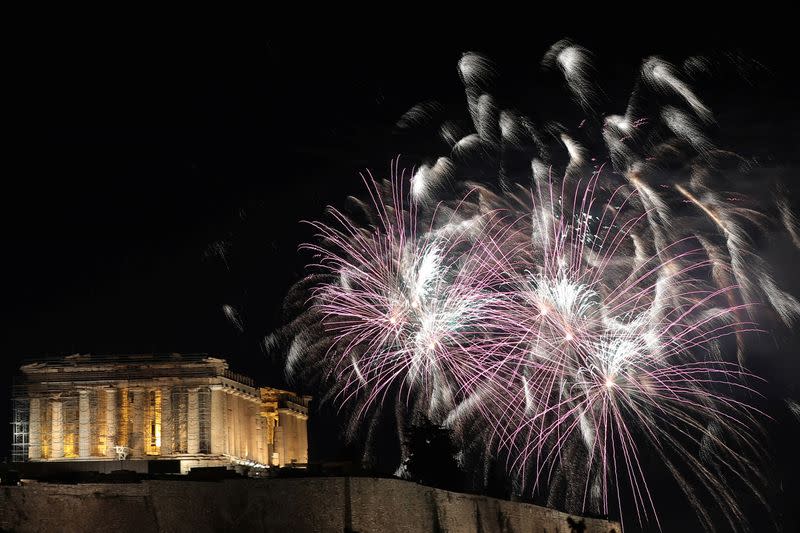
[401, 300]
[562, 336]
[575, 64]
[572, 323]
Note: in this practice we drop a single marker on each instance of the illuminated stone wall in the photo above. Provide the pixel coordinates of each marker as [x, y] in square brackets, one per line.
[299, 505]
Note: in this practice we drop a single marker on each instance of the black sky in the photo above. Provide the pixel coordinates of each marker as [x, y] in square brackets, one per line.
[132, 150]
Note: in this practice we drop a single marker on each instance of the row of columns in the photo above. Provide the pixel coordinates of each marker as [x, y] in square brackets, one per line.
[108, 419]
[237, 428]
[233, 426]
[291, 437]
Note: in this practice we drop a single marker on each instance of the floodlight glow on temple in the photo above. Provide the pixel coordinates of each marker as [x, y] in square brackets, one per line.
[82, 411]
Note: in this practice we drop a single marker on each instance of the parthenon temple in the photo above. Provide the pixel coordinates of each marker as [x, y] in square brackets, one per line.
[189, 408]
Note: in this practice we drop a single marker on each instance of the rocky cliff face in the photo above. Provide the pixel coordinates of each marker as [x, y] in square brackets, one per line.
[303, 505]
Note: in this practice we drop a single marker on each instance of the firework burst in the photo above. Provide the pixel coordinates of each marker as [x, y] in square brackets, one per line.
[570, 318]
[609, 349]
[406, 298]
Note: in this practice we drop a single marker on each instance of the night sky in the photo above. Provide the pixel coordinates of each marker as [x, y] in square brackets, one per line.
[133, 151]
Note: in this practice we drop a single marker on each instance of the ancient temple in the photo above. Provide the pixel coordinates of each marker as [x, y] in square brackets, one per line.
[189, 409]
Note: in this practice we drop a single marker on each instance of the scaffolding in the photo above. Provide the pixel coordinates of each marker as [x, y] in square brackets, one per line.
[19, 428]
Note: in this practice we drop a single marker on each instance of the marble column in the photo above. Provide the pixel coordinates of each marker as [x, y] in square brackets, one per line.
[269, 436]
[258, 454]
[242, 426]
[136, 437]
[244, 411]
[111, 421]
[292, 440]
[234, 403]
[84, 427]
[35, 429]
[284, 423]
[278, 448]
[217, 419]
[296, 436]
[247, 428]
[57, 430]
[255, 449]
[167, 422]
[193, 422]
[179, 412]
[302, 439]
[226, 421]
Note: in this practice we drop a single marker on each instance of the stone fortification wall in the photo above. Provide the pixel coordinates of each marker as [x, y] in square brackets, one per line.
[302, 505]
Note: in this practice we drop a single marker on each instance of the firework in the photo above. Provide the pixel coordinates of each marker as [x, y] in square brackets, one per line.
[569, 318]
[404, 301]
[610, 349]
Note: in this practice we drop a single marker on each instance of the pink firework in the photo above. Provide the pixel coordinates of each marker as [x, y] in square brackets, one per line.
[578, 325]
[406, 302]
[544, 315]
[607, 348]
